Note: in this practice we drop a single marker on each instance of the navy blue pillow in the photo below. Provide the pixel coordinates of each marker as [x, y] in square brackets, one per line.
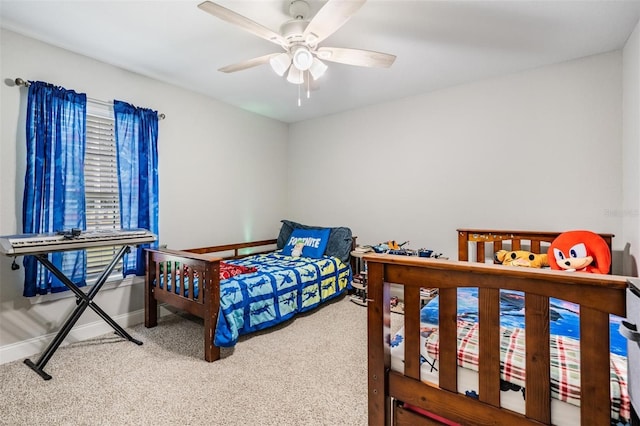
[340, 238]
[315, 242]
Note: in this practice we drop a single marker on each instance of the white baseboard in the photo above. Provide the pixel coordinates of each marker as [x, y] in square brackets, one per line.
[36, 345]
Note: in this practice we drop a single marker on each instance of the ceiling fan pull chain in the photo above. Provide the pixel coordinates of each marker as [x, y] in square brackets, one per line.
[299, 101]
[308, 86]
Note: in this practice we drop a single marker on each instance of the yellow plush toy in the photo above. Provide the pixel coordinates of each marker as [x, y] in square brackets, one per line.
[522, 258]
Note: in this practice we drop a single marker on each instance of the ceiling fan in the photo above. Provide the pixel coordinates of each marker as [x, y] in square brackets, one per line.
[300, 38]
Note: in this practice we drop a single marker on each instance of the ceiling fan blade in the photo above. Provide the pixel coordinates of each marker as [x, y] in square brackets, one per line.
[330, 18]
[242, 22]
[359, 57]
[248, 64]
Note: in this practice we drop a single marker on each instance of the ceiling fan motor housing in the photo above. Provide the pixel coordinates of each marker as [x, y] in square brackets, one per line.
[292, 31]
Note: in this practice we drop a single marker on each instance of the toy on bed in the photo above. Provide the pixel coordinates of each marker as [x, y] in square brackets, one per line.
[521, 258]
[582, 251]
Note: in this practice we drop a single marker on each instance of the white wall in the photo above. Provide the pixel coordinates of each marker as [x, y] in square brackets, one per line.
[542, 149]
[631, 144]
[537, 150]
[222, 174]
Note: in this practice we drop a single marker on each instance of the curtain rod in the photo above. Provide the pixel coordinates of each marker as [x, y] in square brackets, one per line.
[20, 82]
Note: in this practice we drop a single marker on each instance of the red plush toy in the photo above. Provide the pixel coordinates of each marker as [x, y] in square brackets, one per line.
[582, 251]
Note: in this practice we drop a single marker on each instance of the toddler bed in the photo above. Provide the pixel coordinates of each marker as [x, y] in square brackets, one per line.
[248, 286]
[463, 356]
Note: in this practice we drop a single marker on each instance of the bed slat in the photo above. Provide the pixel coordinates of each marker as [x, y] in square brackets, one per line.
[489, 351]
[448, 330]
[594, 355]
[412, 325]
[497, 246]
[538, 376]
[480, 253]
[535, 247]
[516, 244]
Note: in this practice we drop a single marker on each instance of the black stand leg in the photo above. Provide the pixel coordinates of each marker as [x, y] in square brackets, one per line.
[83, 301]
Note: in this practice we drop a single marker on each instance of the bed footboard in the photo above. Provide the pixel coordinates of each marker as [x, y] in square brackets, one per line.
[189, 280]
[172, 277]
[597, 295]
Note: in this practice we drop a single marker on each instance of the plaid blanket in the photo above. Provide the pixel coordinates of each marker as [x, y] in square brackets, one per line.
[565, 364]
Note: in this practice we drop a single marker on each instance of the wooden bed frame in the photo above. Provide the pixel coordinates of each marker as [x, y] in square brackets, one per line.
[597, 295]
[205, 262]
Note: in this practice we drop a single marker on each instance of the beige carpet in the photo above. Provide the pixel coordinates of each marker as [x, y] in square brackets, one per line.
[309, 371]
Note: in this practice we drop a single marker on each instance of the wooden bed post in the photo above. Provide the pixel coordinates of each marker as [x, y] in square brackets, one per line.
[150, 303]
[211, 289]
[463, 250]
[379, 319]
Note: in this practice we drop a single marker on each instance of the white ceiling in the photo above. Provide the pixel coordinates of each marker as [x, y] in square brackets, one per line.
[437, 44]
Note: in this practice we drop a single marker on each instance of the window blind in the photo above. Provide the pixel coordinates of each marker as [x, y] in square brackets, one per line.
[101, 183]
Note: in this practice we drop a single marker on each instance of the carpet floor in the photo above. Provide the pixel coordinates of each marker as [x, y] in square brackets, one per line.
[311, 370]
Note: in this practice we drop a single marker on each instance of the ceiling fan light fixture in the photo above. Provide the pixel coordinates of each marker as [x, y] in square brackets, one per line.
[295, 76]
[280, 63]
[302, 58]
[317, 68]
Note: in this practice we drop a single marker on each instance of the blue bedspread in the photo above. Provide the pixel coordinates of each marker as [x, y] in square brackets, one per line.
[565, 319]
[282, 287]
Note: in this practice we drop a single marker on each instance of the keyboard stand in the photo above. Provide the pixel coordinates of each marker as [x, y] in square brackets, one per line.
[83, 301]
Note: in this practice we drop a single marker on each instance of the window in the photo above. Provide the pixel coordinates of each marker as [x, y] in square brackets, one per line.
[101, 183]
[55, 196]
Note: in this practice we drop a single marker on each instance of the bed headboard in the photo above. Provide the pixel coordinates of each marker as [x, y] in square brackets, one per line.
[537, 242]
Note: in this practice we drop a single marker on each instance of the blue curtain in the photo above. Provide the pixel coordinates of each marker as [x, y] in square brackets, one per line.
[137, 153]
[54, 181]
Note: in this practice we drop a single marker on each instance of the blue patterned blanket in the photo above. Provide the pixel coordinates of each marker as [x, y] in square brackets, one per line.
[282, 287]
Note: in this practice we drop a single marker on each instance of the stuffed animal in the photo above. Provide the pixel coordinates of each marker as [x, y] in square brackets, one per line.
[521, 258]
[582, 251]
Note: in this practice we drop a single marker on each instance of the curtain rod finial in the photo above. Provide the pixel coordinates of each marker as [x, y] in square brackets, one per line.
[21, 82]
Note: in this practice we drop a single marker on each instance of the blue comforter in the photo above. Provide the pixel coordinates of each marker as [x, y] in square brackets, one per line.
[282, 287]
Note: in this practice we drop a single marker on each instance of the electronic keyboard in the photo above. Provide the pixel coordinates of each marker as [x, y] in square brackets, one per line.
[27, 244]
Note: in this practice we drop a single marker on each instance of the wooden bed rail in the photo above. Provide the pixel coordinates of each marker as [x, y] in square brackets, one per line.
[236, 248]
[597, 295]
[537, 242]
